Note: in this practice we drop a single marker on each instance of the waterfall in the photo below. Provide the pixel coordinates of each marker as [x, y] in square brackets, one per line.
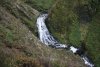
[44, 34]
[46, 38]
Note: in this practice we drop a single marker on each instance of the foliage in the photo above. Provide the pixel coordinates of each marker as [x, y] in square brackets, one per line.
[40, 5]
[73, 22]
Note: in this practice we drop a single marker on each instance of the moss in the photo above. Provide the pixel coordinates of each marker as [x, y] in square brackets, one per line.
[93, 39]
[19, 19]
[63, 22]
[70, 16]
[9, 36]
[6, 61]
[72, 22]
[40, 5]
[6, 36]
[74, 35]
[22, 11]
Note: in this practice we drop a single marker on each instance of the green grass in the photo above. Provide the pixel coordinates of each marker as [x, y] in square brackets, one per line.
[40, 5]
[6, 35]
[93, 40]
[65, 24]
[9, 36]
[74, 36]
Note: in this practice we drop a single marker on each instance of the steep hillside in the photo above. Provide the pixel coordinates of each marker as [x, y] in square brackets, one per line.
[76, 21]
[18, 45]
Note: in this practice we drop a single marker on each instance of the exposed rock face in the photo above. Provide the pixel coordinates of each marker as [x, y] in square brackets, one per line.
[18, 45]
[74, 21]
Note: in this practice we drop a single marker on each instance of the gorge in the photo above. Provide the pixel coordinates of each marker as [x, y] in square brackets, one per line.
[49, 33]
[49, 40]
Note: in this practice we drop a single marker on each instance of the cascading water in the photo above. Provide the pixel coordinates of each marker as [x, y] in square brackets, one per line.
[49, 40]
[44, 34]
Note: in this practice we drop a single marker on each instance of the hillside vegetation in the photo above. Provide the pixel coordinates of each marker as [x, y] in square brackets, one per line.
[76, 21]
[19, 47]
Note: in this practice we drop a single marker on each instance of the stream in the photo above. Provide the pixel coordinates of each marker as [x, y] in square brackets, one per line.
[46, 38]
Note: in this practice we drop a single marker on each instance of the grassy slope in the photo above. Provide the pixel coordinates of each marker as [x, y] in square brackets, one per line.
[63, 21]
[72, 22]
[40, 5]
[18, 45]
[93, 39]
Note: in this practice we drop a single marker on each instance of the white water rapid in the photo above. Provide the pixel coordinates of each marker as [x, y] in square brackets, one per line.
[49, 40]
[44, 34]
